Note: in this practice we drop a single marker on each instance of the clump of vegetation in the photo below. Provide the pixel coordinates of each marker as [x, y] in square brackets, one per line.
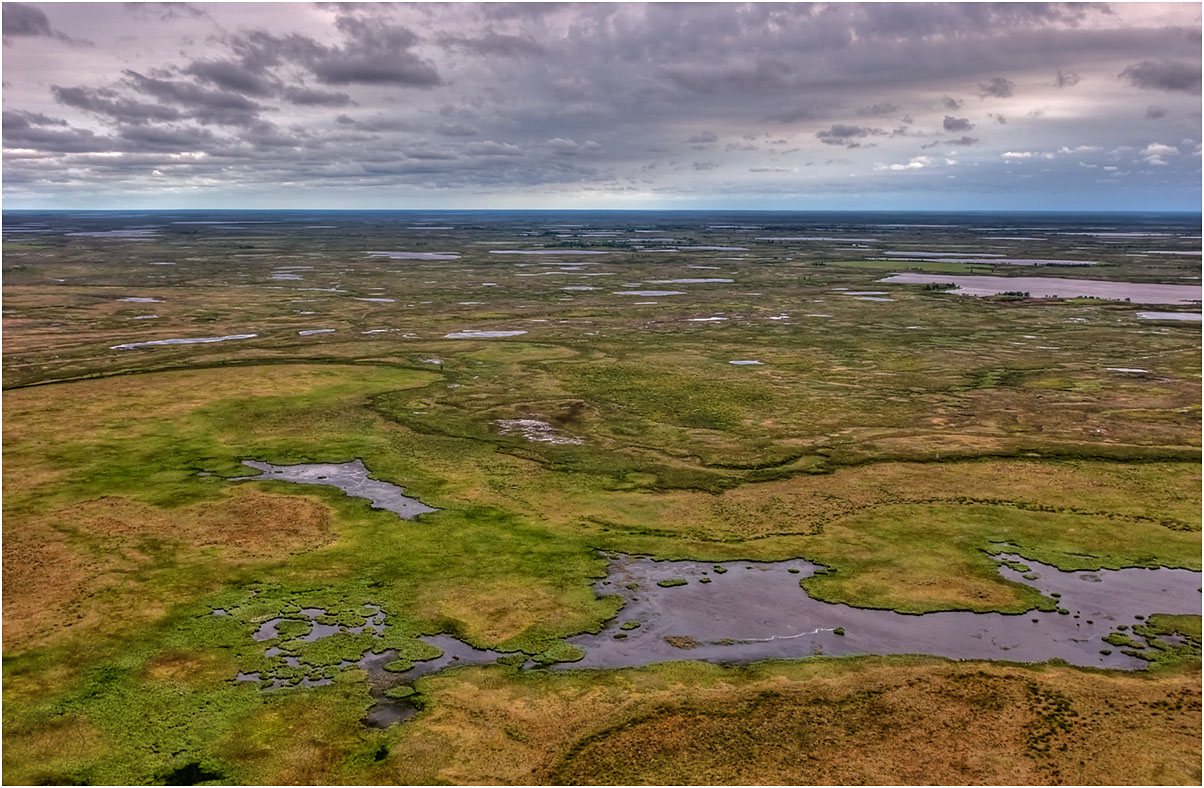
[672, 582]
[838, 631]
[293, 628]
[629, 625]
[561, 652]
[399, 665]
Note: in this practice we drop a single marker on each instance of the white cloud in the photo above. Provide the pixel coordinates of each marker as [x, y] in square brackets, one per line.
[916, 163]
[1158, 149]
[1155, 154]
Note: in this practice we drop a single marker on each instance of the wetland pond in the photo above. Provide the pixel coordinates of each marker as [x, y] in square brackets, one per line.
[741, 611]
[1054, 287]
[351, 477]
[734, 612]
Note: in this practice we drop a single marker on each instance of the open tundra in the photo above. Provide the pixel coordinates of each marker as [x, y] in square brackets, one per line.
[426, 517]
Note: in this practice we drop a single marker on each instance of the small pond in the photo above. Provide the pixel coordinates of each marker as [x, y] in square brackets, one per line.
[350, 477]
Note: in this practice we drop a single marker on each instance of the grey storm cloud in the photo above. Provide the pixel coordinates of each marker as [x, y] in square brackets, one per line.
[492, 148]
[493, 44]
[457, 130]
[376, 124]
[1066, 79]
[999, 87]
[103, 101]
[22, 119]
[1164, 75]
[796, 113]
[374, 54]
[846, 135]
[309, 97]
[879, 110]
[173, 140]
[1153, 112]
[430, 154]
[414, 98]
[963, 141]
[25, 20]
[565, 147]
[207, 106]
[54, 140]
[165, 12]
[228, 75]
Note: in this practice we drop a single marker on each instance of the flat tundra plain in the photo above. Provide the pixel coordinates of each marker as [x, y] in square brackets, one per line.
[580, 498]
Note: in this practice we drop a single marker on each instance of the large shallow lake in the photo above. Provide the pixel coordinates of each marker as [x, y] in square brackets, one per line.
[1055, 287]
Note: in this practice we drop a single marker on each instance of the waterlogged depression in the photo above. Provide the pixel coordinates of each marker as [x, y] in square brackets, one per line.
[1054, 287]
[736, 612]
[744, 611]
[352, 478]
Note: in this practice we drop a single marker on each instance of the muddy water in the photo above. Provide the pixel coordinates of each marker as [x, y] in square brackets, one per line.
[350, 477]
[755, 611]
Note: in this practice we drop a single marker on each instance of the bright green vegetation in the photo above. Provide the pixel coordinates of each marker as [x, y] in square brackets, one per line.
[561, 652]
[899, 458]
[1169, 640]
[672, 582]
[1166, 624]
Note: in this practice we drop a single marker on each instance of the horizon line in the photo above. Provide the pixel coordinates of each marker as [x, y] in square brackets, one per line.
[615, 210]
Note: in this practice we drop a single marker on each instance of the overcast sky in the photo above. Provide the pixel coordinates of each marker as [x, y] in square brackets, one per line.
[564, 105]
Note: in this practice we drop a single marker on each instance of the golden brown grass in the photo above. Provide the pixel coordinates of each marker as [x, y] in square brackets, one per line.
[493, 611]
[81, 567]
[872, 720]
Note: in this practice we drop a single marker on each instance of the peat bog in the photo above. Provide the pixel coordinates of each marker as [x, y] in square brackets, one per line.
[467, 511]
